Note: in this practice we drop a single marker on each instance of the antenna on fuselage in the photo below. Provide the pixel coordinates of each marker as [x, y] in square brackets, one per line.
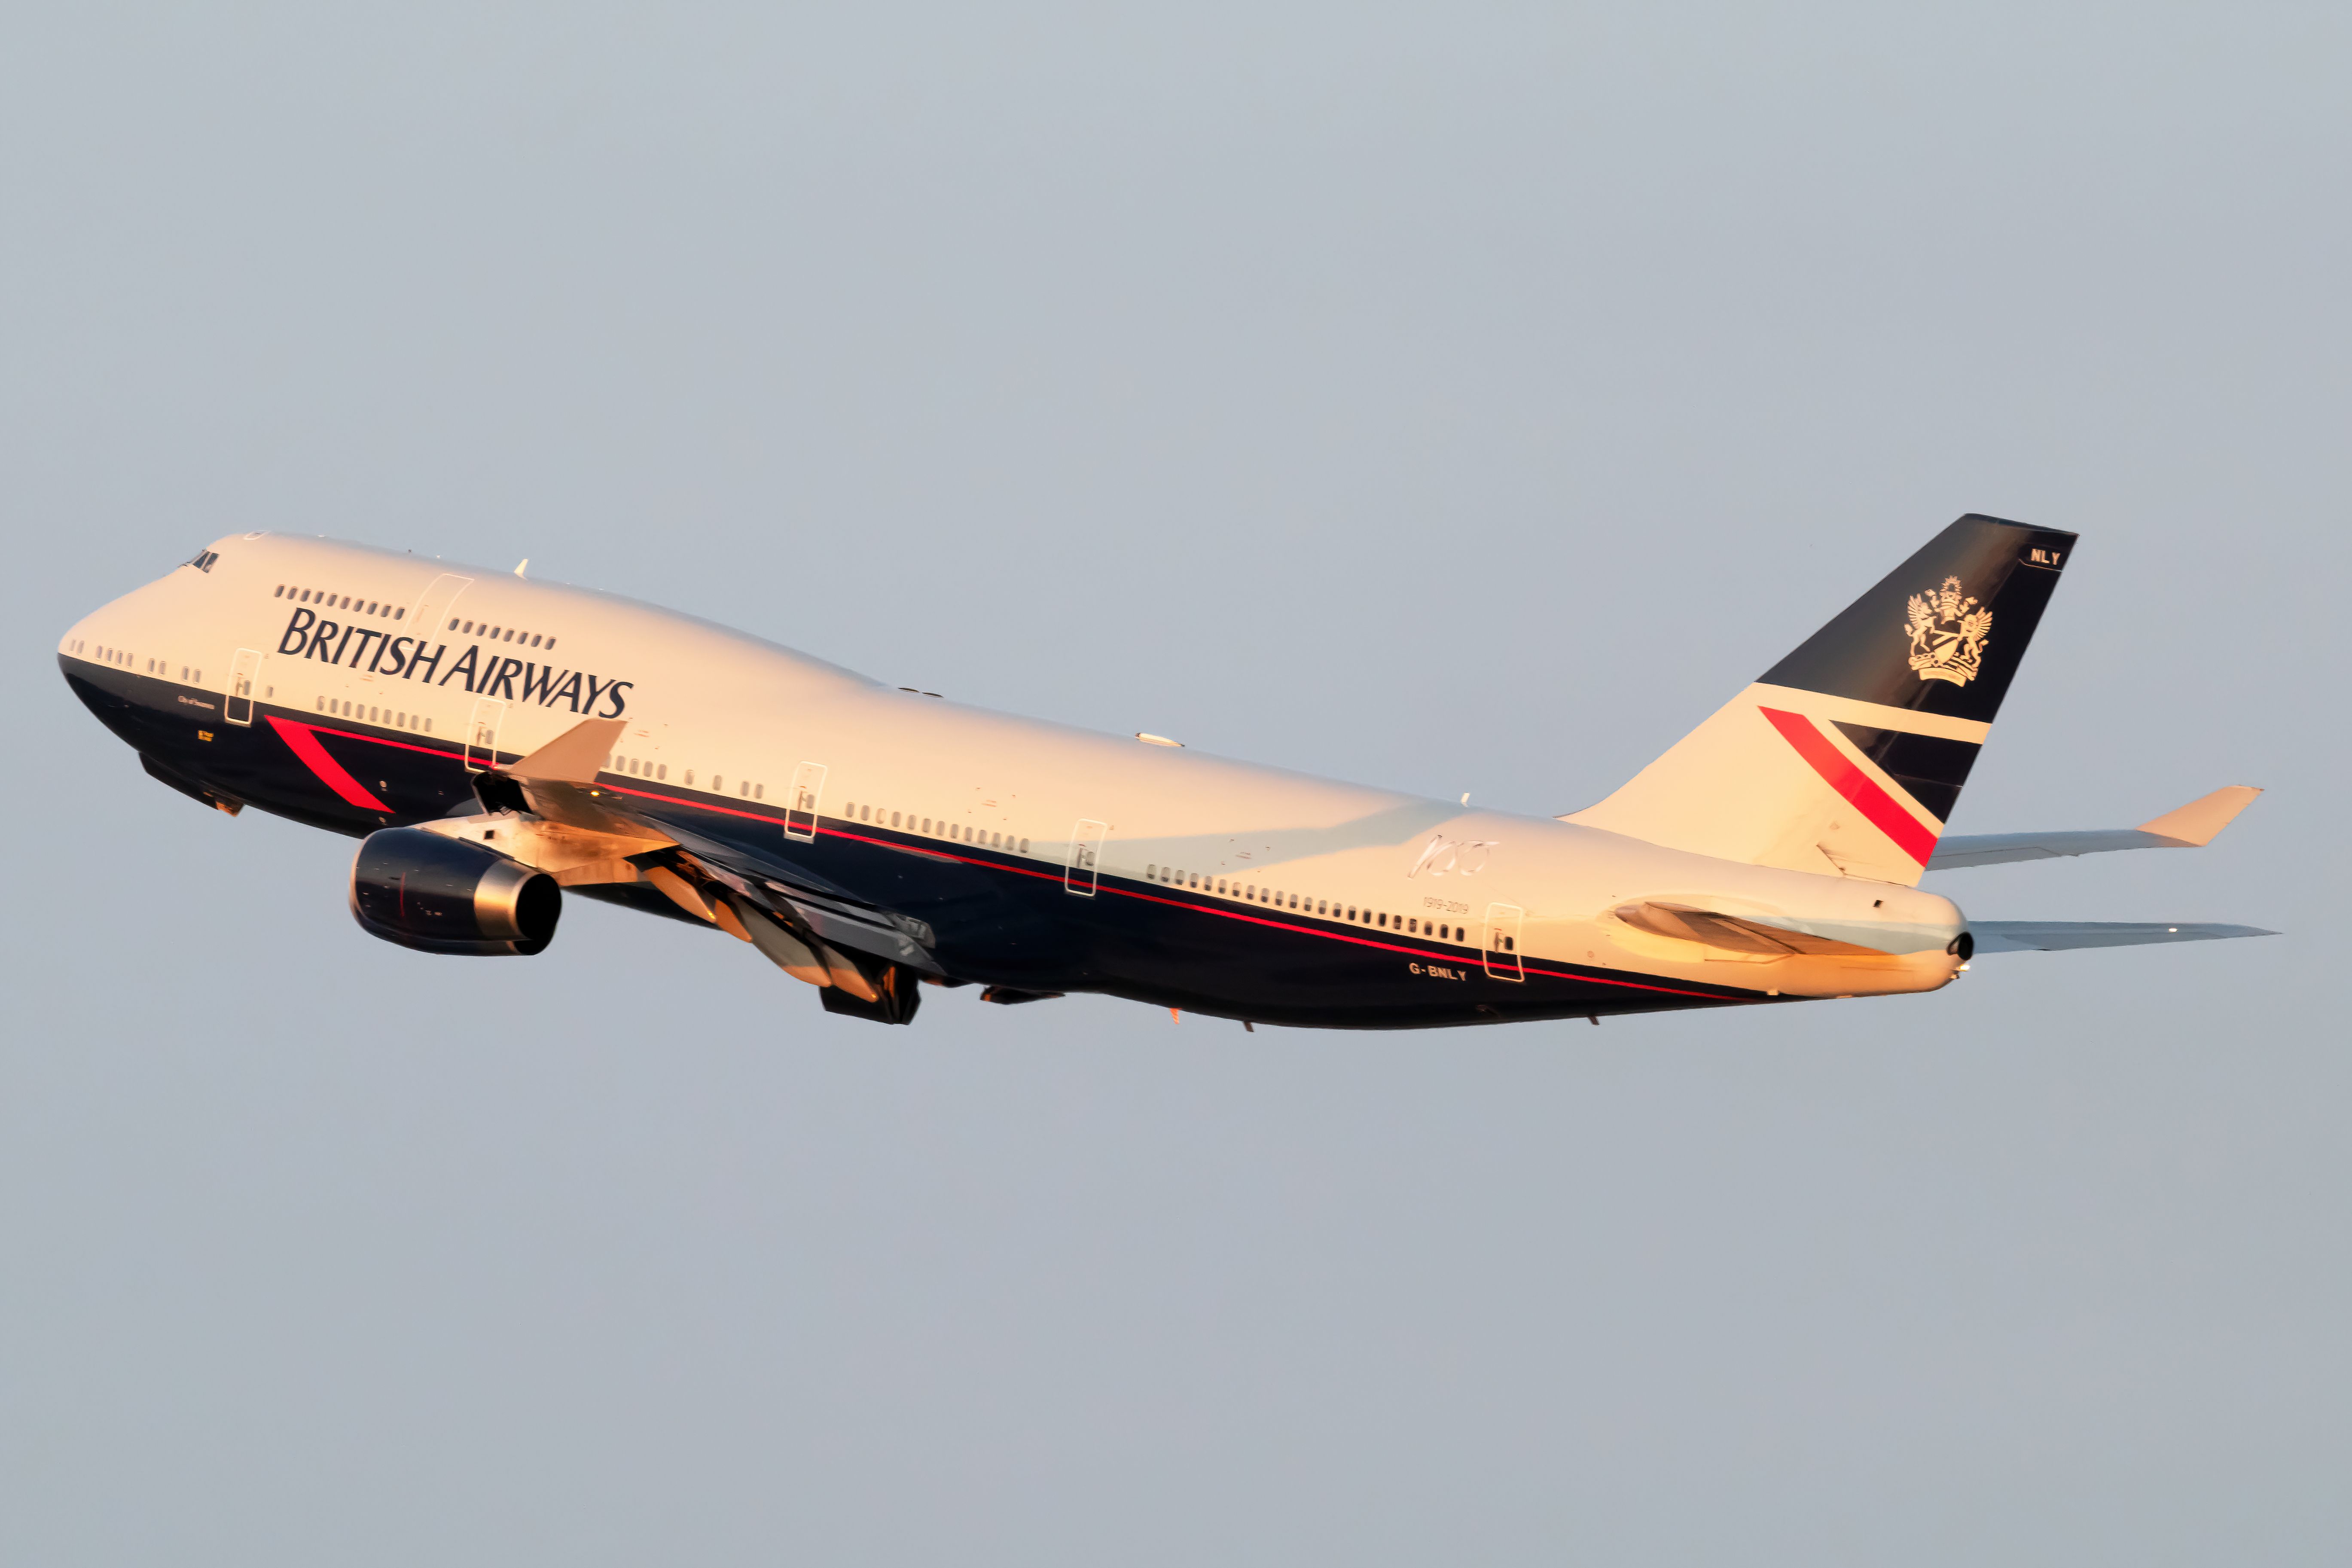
[520, 565]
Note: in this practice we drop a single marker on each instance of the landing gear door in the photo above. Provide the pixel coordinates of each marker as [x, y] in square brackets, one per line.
[482, 734]
[800, 805]
[237, 707]
[1502, 946]
[1085, 863]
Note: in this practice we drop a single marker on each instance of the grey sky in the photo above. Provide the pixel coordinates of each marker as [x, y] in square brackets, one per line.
[1450, 398]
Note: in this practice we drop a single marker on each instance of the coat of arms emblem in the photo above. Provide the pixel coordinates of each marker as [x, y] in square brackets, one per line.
[1949, 631]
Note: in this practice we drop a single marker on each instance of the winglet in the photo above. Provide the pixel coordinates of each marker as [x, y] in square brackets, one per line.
[575, 756]
[2196, 824]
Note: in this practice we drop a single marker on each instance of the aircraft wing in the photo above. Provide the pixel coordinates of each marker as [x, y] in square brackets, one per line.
[2191, 828]
[809, 926]
[2058, 936]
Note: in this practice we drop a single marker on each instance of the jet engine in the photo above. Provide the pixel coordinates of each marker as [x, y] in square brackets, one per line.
[445, 895]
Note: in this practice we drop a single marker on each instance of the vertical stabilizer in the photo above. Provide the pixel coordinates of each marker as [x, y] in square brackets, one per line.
[1847, 756]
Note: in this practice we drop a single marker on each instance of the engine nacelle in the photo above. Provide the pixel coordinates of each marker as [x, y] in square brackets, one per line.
[444, 895]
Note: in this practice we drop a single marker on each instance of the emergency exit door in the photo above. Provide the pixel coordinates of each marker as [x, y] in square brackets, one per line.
[482, 734]
[237, 707]
[1502, 946]
[800, 804]
[1085, 862]
[431, 611]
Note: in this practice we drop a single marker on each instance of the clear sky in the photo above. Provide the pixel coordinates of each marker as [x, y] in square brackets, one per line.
[1458, 397]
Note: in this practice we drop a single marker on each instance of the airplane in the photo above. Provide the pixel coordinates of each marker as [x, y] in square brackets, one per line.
[497, 743]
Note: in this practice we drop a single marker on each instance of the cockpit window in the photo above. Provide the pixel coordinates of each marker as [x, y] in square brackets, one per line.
[202, 560]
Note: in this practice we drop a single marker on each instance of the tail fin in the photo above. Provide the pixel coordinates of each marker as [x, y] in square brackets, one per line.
[1846, 757]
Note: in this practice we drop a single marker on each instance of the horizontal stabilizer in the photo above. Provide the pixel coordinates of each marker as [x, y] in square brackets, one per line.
[1736, 933]
[2059, 936]
[2192, 827]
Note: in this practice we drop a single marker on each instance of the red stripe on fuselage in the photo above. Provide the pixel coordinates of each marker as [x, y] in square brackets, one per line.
[333, 773]
[1859, 788]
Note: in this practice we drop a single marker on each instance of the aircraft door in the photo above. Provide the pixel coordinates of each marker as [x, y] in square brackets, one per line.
[1085, 857]
[426, 621]
[1502, 944]
[482, 734]
[237, 707]
[800, 805]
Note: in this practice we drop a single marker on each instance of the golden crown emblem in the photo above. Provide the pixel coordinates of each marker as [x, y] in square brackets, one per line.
[1948, 632]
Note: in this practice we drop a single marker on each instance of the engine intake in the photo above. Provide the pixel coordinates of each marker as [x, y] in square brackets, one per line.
[444, 895]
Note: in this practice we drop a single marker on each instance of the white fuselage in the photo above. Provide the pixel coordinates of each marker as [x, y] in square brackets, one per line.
[510, 665]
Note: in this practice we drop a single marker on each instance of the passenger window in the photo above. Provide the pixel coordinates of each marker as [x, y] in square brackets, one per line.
[534, 639]
[1380, 919]
[662, 771]
[551, 642]
[1024, 846]
[718, 782]
[759, 792]
[689, 776]
[401, 614]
